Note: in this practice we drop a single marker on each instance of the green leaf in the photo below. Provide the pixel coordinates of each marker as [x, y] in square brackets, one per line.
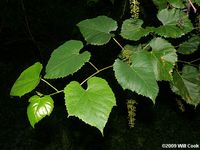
[139, 76]
[27, 81]
[38, 108]
[197, 2]
[132, 30]
[188, 88]
[96, 31]
[66, 60]
[191, 73]
[161, 4]
[163, 58]
[175, 23]
[92, 105]
[176, 3]
[190, 46]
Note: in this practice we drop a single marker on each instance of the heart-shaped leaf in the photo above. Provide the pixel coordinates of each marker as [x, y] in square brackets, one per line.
[27, 80]
[92, 105]
[38, 108]
[138, 76]
[96, 31]
[175, 23]
[66, 60]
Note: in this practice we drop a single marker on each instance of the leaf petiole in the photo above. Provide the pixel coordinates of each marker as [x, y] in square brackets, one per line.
[49, 84]
[96, 73]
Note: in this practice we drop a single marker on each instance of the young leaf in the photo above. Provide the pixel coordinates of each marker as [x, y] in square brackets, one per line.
[27, 80]
[66, 60]
[96, 31]
[175, 23]
[163, 58]
[38, 108]
[132, 30]
[92, 105]
[139, 76]
[187, 85]
[189, 46]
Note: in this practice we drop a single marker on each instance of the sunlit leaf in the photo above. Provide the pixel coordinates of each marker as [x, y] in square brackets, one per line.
[38, 108]
[96, 31]
[190, 46]
[138, 76]
[27, 81]
[175, 23]
[66, 60]
[92, 105]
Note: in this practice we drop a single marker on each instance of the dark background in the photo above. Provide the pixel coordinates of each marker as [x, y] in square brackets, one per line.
[29, 32]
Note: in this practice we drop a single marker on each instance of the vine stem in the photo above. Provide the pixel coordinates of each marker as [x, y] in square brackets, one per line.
[49, 84]
[146, 46]
[56, 92]
[189, 63]
[93, 66]
[98, 71]
[117, 43]
[195, 60]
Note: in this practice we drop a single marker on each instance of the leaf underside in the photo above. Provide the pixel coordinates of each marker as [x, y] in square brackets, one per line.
[38, 108]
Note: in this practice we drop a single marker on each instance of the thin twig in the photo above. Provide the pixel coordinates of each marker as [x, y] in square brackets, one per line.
[146, 46]
[56, 92]
[49, 84]
[93, 66]
[29, 31]
[189, 63]
[195, 60]
[191, 4]
[96, 73]
[118, 43]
